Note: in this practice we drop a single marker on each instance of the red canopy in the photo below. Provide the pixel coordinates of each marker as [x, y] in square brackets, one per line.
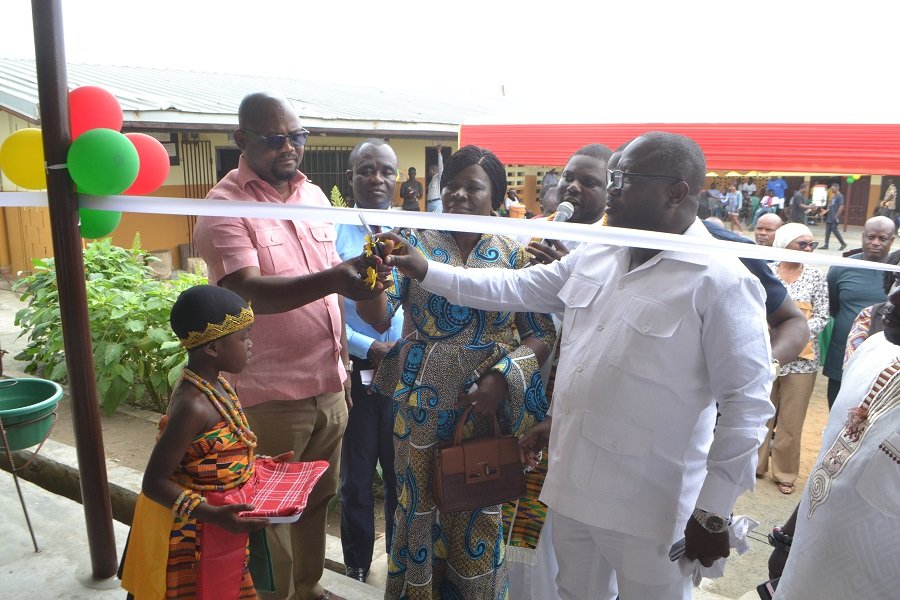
[798, 148]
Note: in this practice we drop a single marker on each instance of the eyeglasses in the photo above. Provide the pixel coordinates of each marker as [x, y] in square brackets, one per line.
[615, 179]
[275, 142]
[805, 245]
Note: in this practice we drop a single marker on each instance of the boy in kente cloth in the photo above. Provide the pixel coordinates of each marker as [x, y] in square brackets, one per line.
[185, 541]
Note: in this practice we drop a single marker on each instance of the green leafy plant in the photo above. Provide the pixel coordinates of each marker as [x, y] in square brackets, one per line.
[336, 199]
[136, 355]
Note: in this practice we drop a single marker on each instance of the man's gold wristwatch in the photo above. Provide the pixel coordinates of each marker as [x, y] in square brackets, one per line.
[776, 367]
[348, 366]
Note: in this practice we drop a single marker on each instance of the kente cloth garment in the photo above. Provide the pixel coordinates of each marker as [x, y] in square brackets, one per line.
[444, 350]
[859, 332]
[868, 322]
[216, 460]
[523, 519]
[523, 525]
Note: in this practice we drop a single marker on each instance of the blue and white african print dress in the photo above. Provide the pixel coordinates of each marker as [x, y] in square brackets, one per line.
[445, 348]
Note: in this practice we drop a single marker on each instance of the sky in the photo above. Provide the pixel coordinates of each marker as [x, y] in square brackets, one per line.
[560, 60]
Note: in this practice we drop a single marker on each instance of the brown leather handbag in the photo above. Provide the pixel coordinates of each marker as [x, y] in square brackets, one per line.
[477, 472]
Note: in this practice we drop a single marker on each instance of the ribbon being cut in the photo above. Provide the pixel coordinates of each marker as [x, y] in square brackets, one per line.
[616, 236]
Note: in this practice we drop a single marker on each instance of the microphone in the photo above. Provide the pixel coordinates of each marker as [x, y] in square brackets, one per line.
[564, 212]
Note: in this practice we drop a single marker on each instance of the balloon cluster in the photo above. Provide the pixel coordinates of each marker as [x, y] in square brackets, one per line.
[853, 178]
[101, 160]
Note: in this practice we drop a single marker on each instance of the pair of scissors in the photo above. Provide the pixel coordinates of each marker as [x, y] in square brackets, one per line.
[379, 245]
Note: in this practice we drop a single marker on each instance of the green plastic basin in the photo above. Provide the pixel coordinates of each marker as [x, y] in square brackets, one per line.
[27, 410]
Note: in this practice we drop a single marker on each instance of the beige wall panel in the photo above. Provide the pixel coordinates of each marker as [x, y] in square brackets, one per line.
[28, 234]
[158, 232]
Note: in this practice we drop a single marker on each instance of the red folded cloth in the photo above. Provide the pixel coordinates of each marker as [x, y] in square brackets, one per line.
[279, 489]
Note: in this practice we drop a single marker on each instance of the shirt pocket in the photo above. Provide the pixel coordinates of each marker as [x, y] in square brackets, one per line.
[578, 293]
[648, 346]
[325, 236]
[879, 483]
[273, 249]
[610, 456]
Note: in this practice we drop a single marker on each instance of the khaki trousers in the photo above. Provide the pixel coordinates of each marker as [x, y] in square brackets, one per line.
[790, 395]
[312, 428]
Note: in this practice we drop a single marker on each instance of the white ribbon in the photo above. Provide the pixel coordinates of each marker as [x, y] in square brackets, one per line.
[541, 229]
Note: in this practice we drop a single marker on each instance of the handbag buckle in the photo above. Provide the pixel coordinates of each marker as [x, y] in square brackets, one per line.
[483, 472]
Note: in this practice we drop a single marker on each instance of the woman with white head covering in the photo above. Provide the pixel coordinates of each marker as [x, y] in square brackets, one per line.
[793, 385]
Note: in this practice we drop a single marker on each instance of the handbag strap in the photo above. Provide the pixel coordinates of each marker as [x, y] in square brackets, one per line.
[458, 432]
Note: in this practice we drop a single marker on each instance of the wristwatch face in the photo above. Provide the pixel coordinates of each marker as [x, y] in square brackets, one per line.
[715, 523]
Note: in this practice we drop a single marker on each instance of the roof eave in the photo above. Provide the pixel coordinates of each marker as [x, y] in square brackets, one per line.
[20, 107]
[212, 122]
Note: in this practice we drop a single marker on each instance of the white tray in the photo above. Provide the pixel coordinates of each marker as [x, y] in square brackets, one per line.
[289, 519]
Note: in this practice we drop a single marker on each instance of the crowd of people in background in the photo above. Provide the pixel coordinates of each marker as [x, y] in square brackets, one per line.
[645, 386]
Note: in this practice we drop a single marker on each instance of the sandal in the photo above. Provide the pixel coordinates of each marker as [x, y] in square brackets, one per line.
[785, 488]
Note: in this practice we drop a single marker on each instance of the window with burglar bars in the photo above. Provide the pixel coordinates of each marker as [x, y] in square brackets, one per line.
[326, 166]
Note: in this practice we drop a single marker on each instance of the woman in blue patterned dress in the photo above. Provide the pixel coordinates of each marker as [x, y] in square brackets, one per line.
[445, 350]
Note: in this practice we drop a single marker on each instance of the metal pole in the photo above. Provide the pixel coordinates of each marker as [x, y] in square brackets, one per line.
[53, 95]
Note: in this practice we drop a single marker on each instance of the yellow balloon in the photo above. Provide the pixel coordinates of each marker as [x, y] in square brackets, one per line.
[22, 159]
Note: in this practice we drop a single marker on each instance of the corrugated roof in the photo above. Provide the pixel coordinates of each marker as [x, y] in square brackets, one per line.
[151, 96]
[798, 148]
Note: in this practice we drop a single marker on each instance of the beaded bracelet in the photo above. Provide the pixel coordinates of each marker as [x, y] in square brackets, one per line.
[196, 500]
[178, 501]
[182, 506]
[186, 503]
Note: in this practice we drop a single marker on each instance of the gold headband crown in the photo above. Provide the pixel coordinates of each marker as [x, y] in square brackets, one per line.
[214, 331]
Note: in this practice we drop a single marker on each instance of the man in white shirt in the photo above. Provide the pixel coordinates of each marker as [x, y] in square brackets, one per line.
[511, 199]
[653, 341]
[748, 188]
[766, 205]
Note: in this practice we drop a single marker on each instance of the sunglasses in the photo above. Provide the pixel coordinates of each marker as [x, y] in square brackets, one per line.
[805, 245]
[274, 142]
[616, 179]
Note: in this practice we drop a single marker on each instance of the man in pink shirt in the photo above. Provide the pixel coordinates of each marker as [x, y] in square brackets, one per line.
[293, 388]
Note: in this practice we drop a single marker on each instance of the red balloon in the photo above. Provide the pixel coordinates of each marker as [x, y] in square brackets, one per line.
[154, 166]
[91, 107]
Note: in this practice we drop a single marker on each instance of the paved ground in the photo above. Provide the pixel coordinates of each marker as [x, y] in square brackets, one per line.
[62, 568]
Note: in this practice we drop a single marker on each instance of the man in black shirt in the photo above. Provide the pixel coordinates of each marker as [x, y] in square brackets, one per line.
[800, 203]
[410, 191]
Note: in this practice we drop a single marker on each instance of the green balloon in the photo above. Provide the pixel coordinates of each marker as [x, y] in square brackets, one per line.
[98, 223]
[103, 162]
